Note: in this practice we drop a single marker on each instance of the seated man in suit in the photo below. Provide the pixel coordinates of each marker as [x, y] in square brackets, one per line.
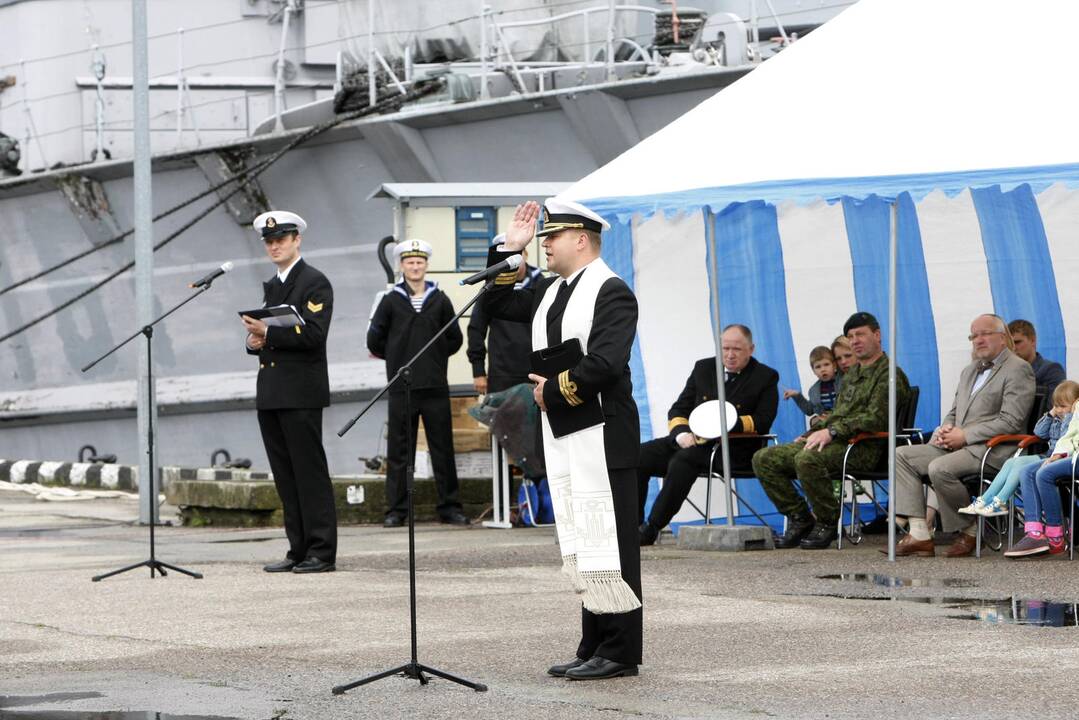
[681, 457]
[994, 397]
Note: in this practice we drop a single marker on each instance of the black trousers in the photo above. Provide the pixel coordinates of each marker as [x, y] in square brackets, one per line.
[679, 468]
[619, 637]
[434, 407]
[293, 441]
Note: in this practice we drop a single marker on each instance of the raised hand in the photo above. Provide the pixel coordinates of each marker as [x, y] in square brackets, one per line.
[523, 226]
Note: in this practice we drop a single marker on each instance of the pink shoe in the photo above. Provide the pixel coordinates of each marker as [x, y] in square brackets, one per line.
[1057, 545]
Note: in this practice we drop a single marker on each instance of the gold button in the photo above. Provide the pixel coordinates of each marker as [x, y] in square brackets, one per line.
[271, 364]
[262, 365]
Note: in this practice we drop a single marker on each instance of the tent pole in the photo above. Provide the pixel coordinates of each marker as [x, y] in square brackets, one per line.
[721, 390]
[893, 352]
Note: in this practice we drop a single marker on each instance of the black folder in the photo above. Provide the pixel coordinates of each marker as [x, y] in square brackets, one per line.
[549, 363]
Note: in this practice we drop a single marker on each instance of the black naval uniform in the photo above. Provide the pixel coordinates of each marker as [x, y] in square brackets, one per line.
[293, 387]
[504, 360]
[754, 394]
[605, 370]
[397, 332]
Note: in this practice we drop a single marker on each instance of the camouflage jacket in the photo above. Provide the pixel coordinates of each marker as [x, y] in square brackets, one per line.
[862, 405]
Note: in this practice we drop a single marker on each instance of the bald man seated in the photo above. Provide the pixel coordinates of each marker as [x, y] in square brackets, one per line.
[994, 397]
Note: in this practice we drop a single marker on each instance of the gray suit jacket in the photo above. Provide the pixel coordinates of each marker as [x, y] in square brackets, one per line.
[1000, 406]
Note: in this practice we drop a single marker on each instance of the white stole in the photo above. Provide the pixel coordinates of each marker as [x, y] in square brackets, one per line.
[577, 469]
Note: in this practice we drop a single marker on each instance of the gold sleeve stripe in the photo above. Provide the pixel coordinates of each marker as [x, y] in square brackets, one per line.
[747, 423]
[568, 389]
[298, 331]
[506, 278]
[675, 422]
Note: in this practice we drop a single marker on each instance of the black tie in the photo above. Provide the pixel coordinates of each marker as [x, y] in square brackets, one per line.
[984, 365]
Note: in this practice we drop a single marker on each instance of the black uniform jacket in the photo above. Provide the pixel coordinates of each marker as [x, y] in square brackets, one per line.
[604, 369]
[505, 355]
[397, 332]
[753, 392]
[292, 363]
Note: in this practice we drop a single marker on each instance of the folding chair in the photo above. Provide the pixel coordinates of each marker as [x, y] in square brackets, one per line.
[980, 482]
[878, 475]
[744, 473]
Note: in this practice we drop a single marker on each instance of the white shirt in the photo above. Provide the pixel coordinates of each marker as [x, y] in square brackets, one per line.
[571, 278]
[983, 376]
[282, 275]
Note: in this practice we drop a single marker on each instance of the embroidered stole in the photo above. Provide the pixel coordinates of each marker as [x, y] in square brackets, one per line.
[577, 470]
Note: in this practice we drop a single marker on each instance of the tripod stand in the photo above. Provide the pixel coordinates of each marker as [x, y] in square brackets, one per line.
[147, 331]
[412, 669]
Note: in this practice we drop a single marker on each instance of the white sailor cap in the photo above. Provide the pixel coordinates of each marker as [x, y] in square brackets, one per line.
[498, 239]
[277, 223]
[559, 215]
[412, 248]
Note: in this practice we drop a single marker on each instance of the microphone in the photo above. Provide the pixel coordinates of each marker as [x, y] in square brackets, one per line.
[204, 281]
[511, 263]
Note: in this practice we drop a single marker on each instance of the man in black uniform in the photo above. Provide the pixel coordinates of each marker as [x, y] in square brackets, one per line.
[293, 387]
[681, 457]
[405, 320]
[611, 643]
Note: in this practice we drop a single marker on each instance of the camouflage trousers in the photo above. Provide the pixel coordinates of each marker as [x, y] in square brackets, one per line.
[778, 466]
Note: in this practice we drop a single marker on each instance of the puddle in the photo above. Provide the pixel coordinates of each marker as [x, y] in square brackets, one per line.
[995, 611]
[244, 540]
[9, 701]
[890, 581]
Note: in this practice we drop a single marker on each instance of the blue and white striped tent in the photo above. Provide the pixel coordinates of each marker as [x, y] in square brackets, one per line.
[793, 170]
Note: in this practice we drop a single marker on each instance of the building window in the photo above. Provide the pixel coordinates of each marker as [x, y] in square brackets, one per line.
[475, 231]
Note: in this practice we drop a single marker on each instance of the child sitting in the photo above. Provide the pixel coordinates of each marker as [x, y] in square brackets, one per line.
[1041, 496]
[823, 393]
[1050, 427]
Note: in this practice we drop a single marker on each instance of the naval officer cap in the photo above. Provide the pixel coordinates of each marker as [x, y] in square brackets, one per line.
[277, 223]
[412, 248]
[559, 215]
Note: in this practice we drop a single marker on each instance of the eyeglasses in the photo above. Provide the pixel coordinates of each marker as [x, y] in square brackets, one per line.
[986, 333]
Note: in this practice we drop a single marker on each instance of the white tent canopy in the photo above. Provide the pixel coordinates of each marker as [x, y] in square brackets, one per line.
[888, 87]
[952, 117]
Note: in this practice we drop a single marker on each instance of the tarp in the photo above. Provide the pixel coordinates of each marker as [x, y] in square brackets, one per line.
[914, 94]
[952, 108]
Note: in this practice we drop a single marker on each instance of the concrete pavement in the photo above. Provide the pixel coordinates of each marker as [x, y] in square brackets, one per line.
[739, 635]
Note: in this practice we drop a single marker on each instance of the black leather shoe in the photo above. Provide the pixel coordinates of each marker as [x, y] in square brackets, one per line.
[600, 669]
[393, 521]
[560, 670]
[797, 528]
[284, 566]
[819, 538]
[649, 534]
[314, 565]
[455, 518]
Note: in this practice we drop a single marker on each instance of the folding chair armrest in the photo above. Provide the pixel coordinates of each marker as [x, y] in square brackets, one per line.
[1022, 440]
[862, 437]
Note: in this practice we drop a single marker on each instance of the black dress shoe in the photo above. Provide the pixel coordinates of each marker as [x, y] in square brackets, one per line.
[284, 566]
[393, 521]
[797, 528]
[560, 670]
[820, 537]
[314, 565]
[649, 534]
[600, 669]
[455, 518]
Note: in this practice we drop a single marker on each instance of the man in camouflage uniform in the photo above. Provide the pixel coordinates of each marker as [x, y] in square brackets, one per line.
[817, 457]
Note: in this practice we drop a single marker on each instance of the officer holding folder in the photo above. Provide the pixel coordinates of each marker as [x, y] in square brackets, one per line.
[293, 388]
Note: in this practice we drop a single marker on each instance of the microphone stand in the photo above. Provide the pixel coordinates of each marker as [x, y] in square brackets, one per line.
[147, 331]
[412, 669]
